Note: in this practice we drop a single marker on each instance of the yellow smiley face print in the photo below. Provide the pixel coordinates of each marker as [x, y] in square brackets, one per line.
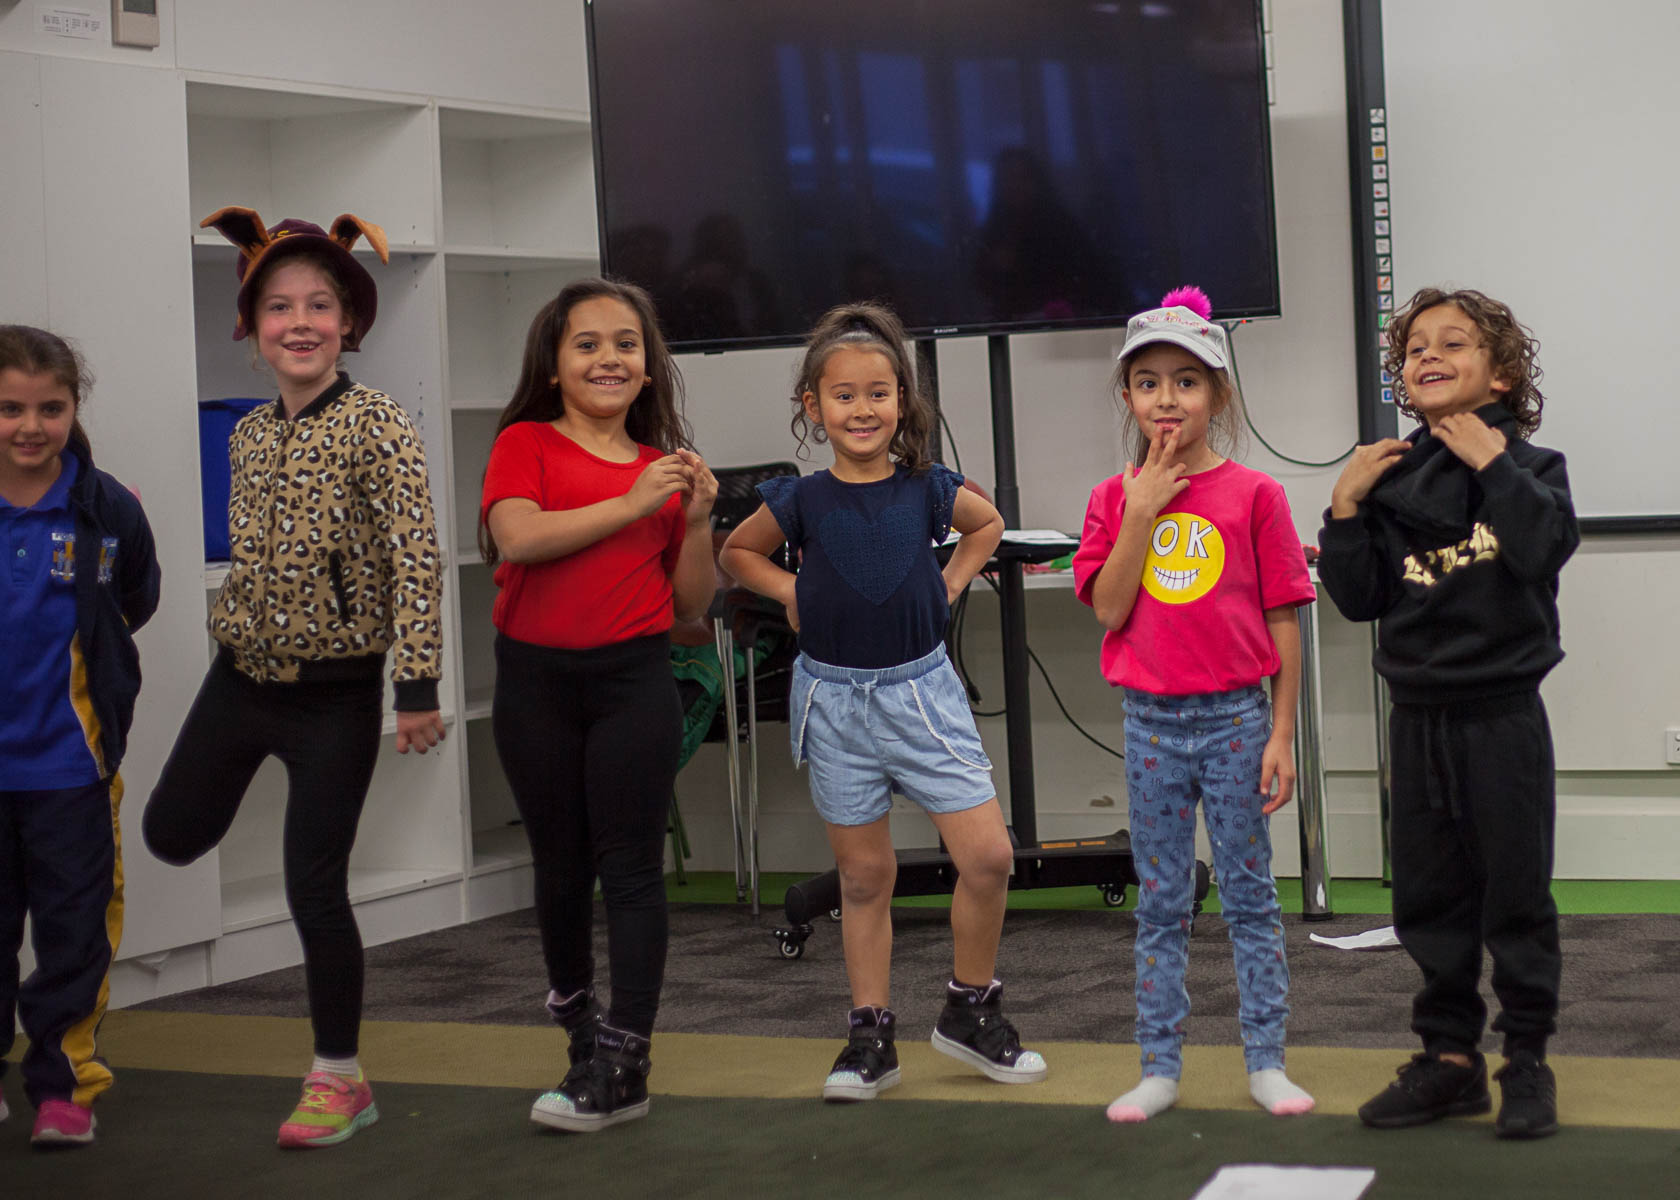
[1186, 558]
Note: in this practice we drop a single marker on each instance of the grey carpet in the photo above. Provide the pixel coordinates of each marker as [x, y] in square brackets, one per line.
[1067, 976]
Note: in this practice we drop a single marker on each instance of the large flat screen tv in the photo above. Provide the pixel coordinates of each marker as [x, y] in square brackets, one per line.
[983, 165]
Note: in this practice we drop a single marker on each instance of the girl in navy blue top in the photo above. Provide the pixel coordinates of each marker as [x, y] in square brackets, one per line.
[80, 576]
[876, 705]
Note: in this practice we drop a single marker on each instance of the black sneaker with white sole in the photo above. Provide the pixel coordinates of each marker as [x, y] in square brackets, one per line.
[580, 1016]
[869, 1063]
[973, 1030]
[604, 1090]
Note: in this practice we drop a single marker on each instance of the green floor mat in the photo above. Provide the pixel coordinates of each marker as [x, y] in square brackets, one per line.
[166, 1135]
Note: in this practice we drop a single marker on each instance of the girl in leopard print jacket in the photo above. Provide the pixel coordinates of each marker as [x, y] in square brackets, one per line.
[334, 567]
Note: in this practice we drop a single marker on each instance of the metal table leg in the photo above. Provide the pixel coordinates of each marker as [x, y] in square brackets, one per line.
[1309, 777]
[725, 640]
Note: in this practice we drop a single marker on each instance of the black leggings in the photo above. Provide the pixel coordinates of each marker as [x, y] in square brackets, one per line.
[327, 735]
[589, 742]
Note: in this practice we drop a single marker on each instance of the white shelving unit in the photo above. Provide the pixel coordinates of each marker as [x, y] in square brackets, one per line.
[518, 219]
[488, 213]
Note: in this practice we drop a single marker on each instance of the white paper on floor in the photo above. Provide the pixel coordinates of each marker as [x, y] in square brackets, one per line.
[1372, 939]
[1254, 1181]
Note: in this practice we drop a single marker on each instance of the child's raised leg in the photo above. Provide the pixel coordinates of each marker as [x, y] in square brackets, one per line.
[978, 843]
[972, 1028]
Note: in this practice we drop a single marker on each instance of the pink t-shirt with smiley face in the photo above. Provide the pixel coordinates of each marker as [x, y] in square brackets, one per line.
[1222, 552]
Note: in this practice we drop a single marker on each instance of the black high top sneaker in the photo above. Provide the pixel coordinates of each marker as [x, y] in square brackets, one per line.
[869, 1063]
[578, 1014]
[973, 1030]
[605, 1089]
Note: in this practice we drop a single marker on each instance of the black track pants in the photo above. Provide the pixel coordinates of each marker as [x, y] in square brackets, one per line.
[1474, 807]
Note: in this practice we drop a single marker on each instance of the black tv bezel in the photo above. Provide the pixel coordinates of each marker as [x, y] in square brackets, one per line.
[981, 329]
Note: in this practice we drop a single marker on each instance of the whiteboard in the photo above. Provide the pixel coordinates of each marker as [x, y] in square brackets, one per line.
[1531, 157]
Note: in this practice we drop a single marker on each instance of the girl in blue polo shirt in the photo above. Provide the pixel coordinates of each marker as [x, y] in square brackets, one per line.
[875, 701]
[79, 575]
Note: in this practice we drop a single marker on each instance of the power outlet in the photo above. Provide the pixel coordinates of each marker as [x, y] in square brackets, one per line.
[1671, 746]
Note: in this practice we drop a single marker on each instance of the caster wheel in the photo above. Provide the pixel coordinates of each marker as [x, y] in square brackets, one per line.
[834, 914]
[1114, 895]
[791, 949]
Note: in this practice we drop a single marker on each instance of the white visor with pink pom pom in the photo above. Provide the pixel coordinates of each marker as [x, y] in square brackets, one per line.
[1184, 320]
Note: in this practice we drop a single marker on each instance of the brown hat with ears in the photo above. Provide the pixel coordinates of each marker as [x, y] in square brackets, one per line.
[261, 248]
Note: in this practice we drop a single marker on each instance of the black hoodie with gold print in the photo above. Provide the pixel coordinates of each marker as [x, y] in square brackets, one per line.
[1459, 568]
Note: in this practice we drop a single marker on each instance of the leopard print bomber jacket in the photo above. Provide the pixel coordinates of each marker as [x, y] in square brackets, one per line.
[334, 549]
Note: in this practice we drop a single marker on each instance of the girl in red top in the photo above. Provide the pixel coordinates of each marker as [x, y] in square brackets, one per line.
[597, 515]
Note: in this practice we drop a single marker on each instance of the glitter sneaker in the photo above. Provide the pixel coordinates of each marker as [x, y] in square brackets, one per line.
[869, 1063]
[973, 1029]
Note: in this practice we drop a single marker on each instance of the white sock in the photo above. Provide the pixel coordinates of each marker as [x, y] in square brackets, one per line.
[1150, 1098]
[1273, 1092]
[350, 1067]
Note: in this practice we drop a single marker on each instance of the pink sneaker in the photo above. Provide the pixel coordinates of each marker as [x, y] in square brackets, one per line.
[61, 1123]
[332, 1109]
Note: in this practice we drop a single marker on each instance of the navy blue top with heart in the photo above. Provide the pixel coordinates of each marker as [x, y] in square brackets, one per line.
[870, 590]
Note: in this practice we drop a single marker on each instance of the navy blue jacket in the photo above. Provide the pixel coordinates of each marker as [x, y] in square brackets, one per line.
[108, 611]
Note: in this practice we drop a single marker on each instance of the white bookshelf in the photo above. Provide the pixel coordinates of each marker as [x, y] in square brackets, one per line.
[516, 184]
[313, 154]
[489, 212]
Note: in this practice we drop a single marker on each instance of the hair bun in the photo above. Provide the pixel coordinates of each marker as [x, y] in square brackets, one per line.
[1189, 297]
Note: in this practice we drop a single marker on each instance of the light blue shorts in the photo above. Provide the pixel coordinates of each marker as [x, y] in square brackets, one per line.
[867, 733]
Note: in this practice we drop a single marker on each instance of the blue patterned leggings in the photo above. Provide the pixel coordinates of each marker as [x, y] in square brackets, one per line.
[1179, 748]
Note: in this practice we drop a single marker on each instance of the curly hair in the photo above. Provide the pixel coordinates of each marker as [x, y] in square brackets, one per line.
[656, 416]
[866, 326]
[1510, 345]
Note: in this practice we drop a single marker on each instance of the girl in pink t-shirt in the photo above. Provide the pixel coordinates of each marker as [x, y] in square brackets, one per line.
[1192, 564]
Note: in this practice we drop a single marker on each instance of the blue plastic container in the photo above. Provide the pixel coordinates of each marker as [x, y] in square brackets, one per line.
[216, 419]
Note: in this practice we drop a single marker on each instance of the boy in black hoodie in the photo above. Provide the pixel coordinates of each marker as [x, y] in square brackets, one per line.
[1452, 541]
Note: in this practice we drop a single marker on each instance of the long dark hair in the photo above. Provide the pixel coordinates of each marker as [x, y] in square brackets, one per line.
[1510, 345]
[866, 326]
[655, 417]
[37, 352]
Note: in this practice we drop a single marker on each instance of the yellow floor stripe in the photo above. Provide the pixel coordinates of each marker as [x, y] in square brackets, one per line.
[1592, 1091]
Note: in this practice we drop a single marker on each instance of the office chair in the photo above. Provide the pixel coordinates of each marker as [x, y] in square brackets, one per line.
[744, 623]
